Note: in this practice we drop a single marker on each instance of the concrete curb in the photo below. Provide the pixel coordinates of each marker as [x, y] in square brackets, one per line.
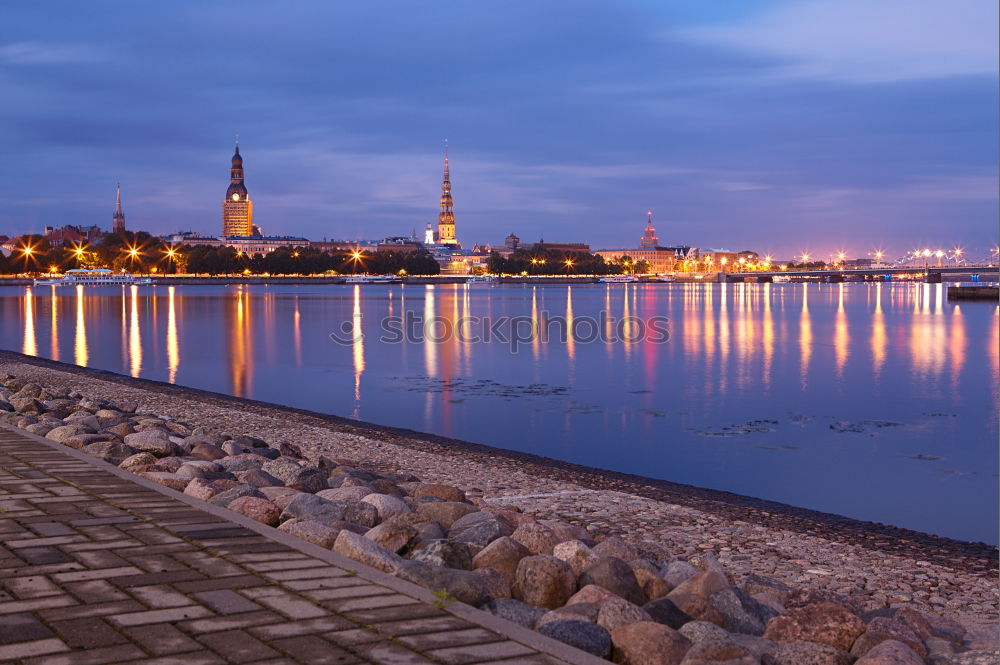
[512, 631]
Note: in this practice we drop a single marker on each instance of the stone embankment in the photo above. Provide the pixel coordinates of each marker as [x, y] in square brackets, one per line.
[638, 602]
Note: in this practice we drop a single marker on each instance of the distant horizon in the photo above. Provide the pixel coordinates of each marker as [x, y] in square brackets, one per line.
[749, 126]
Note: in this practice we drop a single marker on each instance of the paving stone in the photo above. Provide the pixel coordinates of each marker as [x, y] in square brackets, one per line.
[16, 628]
[315, 651]
[161, 639]
[225, 601]
[237, 646]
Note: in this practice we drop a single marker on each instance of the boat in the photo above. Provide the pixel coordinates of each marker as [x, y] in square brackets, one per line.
[372, 279]
[95, 277]
[661, 278]
[482, 279]
[781, 279]
[619, 279]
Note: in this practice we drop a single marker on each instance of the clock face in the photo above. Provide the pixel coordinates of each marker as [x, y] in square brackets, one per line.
[236, 197]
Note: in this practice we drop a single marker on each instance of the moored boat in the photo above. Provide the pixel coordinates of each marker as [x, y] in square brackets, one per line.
[95, 277]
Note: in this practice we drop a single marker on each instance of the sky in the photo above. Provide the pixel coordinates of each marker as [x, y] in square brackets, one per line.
[780, 126]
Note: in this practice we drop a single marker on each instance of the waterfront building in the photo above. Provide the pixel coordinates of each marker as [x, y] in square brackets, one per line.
[659, 259]
[72, 235]
[446, 215]
[251, 245]
[718, 260]
[237, 208]
[399, 244]
[118, 219]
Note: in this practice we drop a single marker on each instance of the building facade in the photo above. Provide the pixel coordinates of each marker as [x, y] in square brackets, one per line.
[118, 219]
[649, 238]
[237, 208]
[251, 245]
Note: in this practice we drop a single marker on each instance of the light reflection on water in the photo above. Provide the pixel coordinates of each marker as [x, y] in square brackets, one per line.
[817, 359]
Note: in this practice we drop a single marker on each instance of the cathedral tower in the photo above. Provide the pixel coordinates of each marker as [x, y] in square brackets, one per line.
[446, 217]
[118, 225]
[237, 208]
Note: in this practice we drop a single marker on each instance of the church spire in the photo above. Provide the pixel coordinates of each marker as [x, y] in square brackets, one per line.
[446, 216]
[118, 218]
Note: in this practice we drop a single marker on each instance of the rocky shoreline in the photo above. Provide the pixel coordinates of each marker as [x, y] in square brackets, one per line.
[640, 578]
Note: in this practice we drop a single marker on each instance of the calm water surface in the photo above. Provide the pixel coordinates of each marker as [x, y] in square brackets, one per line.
[874, 401]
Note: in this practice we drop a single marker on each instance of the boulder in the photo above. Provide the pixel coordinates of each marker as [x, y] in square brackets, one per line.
[619, 612]
[226, 497]
[881, 629]
[445, 513]
[303, 478]
[737, 617]
[280, 495]
[648, 576]
[614, 546]
[697, 607]
[722, 653]
[703, 631]
[826, 623]
[200, 488]
[537, 538]
[388, 506]
[544, 581]
[26, 404]
[350, 526]
[576, 554]
[583, 635]
[171, 480]
[648, 643]
[496, 584]
[579, 611]
[703, 584]
[754, 583]
[806, 653]
[256, 508]
[514, 611]
[480, 529]
[678, 572]
[362, 550]
[503, 555]
[446, 492]
[890, 652]
[259, 478]
[445, 553]
[242, 464]
[153, 441]
[60, 434]
[591, 594]
[346, 493]
[466, 586]
[663, 610]
[614, 575]
[311, 531]
[113, 453]
[808, 596]
[310, 506]
[393, 537]
[137, 460]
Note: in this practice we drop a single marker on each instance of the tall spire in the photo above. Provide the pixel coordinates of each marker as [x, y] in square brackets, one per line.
[649, 238]
[118, 219]
[446, 216]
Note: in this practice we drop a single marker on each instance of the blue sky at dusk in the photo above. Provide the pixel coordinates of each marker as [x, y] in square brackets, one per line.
[776, 126]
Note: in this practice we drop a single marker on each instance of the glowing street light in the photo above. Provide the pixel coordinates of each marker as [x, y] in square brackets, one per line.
[805, 258]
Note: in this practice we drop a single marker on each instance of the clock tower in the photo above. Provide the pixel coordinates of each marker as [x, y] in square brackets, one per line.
[237, 208]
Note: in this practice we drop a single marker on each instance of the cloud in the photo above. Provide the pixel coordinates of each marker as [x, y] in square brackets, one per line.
[860, 41]
[41, 53]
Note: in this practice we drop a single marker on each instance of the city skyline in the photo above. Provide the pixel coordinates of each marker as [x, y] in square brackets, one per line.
[732, 139]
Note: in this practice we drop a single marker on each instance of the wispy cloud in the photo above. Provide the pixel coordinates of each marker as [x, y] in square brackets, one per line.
[42, 53]
[867, 42]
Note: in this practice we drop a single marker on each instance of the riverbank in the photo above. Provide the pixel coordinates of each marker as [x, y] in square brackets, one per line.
[877, 565]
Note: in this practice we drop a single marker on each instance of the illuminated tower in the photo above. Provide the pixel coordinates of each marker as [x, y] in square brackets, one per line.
[649, 238]
[446, 217]
[237, 208]
[119, 216]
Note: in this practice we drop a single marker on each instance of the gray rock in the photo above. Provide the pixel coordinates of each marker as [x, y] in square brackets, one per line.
[304, 478]
[663, 610]
[357, 547]
[616, 547]
[388, 506]
[503, 555]
[619, 612]
[445, 513]
[393, 537]
[709, 653]
[225, 498]
[466, 586]
[113, 453]
[360, 512]
[258, 478]
[515, 611]
[579, 611]
[890, 652]
[583, 635]
[60, 434]
[737, 618]
[480, 528]
[543, 581]
[312, 507]
[678, 572]
[239, 464]
[704, 631]
[616, 576]
[445, 553]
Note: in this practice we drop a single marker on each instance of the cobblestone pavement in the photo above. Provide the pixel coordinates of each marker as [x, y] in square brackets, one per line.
[98, 566]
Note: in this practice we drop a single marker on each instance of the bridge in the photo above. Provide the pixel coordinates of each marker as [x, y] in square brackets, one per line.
[931, 274]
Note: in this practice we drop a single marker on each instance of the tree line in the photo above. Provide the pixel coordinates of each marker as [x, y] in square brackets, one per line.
[542, 261]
